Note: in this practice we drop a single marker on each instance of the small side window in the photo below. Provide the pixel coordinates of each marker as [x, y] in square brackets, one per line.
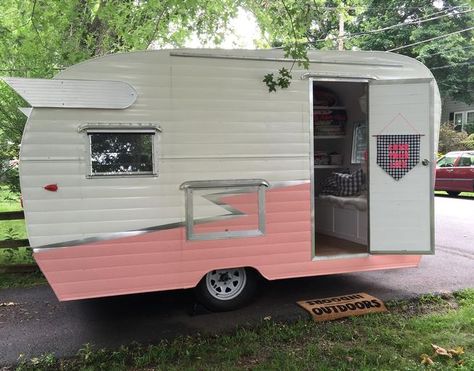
[121, 152]
[458, 121]
[466, 160]
[470, 118]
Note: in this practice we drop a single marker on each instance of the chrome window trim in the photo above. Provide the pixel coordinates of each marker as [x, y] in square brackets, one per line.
[224, 183]
[236, 186]
[103, 128]
[117, 127]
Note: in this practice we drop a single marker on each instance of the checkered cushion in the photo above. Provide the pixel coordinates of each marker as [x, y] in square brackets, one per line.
[349, 184]
[330, 186]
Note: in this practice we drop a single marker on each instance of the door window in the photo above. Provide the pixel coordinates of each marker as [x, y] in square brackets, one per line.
[446, 161]
[467, 160]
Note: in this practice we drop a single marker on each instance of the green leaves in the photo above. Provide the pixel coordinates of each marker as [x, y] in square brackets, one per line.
[283, 80]
[41, 37]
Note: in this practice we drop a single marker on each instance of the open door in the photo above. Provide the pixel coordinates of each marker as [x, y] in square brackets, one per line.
[401, 163]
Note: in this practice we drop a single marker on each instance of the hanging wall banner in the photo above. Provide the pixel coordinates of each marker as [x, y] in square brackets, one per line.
[398, 154]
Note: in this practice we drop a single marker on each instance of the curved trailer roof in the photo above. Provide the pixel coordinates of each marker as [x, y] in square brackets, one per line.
[369, 64]
[96, 90]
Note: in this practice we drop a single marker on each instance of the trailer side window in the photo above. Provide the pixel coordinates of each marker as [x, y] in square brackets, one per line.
[220, 209]
[121, 153]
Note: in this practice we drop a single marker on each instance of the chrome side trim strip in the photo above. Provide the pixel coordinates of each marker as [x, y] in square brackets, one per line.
[340, 77]
[289, 60]
[199, 184]
[126, 127]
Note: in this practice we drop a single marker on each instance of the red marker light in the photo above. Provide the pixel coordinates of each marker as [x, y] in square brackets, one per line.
[51, 187]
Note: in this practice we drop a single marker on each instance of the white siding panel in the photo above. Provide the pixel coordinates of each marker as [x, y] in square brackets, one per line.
[224, 125]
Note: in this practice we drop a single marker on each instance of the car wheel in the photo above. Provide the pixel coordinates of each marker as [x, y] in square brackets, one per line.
[453, 193]
[227, 289]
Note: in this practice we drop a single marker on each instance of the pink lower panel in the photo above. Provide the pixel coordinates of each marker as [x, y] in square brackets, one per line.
[164, 260]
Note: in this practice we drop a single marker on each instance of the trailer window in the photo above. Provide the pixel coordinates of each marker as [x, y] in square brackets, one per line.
[121, 153]
[221, 209]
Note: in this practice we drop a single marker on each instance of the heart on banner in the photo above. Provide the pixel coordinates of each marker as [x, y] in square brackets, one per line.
[397, 154]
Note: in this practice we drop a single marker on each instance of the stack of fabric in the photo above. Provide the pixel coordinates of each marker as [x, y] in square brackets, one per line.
[329, 121]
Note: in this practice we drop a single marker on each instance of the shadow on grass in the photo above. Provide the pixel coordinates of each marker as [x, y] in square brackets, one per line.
[463, 196]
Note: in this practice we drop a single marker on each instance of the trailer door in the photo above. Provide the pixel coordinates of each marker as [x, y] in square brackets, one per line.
[401, 167]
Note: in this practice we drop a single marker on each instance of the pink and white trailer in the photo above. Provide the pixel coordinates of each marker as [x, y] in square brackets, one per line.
[174, 169]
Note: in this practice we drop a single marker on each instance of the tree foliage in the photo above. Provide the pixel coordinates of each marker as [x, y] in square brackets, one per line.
[452, 140]
[41, 37]
[300, 25]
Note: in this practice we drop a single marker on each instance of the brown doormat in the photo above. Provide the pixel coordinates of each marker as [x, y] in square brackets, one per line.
[327, 309]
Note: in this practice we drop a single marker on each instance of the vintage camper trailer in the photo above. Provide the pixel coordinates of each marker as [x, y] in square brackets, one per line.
[174, 169]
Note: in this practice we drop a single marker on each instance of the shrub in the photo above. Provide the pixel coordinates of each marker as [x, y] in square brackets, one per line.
[452, 140]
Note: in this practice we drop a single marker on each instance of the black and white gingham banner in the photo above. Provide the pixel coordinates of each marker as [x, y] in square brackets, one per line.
[398, 154]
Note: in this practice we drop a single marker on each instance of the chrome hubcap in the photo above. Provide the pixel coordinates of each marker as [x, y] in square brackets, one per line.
[226, 284]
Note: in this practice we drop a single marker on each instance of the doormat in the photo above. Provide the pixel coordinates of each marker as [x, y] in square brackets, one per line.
[327, 309]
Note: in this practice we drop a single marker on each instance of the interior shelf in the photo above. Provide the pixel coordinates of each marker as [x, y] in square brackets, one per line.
[328, 108]
[328, 166]
[329, 136]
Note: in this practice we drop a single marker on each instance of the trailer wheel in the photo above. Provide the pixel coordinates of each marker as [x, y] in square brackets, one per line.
[226, 289]
[453, 193]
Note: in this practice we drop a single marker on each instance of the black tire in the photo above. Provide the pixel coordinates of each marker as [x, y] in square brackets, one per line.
[453, 193]
[208, 290]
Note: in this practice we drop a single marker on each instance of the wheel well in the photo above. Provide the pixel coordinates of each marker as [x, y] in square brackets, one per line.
[253, 269]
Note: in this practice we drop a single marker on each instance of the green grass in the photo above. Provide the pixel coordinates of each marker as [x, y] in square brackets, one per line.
[13, 280]
[385, 341]
[12, 229]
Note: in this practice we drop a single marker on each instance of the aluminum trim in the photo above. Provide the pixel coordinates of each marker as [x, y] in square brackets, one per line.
[222, 183]
[341, 256]
[231, 187]
[74, 93]
[311, 167]
[261, 211]
[328, 77]
[289, 60]
[432, 167]
[189, 207]
[100, 127]
[402, 81]
[213, 157]
[226, 235]
[26, 111]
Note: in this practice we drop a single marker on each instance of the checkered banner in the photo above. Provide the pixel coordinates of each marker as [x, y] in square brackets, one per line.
[398, 154]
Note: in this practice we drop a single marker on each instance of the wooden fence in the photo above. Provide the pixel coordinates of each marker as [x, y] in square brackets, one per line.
[15, 244]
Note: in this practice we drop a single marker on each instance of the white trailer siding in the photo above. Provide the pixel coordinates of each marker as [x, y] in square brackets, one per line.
[220, 126]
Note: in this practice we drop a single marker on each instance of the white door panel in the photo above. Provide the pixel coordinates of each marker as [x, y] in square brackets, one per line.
[401, 211]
